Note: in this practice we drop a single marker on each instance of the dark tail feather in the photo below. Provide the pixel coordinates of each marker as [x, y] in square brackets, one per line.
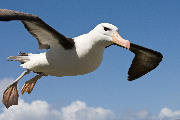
[22, 57]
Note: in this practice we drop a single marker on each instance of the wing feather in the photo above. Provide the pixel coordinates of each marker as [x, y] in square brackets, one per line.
[144, 61]
[47, 36]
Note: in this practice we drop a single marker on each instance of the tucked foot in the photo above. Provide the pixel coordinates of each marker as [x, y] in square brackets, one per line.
[10, 95]
[29, 85]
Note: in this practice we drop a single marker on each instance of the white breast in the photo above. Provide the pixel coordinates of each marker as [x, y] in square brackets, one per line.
[84, 58]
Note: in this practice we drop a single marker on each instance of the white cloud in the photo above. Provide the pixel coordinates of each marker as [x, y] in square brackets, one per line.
[37, 110]
[41, 110]
[79, 111]
[168, 114]
[3, 85]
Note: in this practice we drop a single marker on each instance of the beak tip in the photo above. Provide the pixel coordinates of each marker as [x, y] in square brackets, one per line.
[128, 44]
[117, 39]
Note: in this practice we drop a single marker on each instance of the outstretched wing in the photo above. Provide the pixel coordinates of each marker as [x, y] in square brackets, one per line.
[144, 61]
[47, 36]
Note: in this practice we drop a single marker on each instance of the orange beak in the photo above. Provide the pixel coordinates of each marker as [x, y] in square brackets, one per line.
[117, 39]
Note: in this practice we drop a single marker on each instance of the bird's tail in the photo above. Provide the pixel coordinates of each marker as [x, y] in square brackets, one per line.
[22, 57]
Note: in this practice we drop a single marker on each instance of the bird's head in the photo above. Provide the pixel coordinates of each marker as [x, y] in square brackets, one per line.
[109, 34]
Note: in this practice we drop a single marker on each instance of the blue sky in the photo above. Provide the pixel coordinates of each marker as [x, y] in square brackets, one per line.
[154, 24]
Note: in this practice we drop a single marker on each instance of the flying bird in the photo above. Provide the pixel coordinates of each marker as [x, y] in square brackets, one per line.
[70, 56]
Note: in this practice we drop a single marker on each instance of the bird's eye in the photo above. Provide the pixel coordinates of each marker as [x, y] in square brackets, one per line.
[106, 29]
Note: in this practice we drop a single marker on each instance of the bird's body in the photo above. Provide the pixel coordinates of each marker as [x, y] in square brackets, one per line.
[85, 57]
[71, 56]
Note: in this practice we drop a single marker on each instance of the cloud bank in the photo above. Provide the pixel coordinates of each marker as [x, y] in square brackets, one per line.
[41, 110]
[77, 110]
[168, 114]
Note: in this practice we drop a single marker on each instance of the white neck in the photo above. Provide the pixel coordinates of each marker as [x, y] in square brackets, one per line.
[88, 43]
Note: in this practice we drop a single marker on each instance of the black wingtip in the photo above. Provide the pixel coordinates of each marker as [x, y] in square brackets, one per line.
[144, 61]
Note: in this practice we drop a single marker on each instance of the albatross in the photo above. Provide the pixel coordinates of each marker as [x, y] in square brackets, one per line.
[70, 56]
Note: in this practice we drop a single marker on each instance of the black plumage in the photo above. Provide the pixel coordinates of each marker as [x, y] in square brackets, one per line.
[38, 28]
[144, 61]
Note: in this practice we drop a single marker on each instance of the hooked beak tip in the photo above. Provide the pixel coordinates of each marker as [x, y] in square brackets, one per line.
[117, 39]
